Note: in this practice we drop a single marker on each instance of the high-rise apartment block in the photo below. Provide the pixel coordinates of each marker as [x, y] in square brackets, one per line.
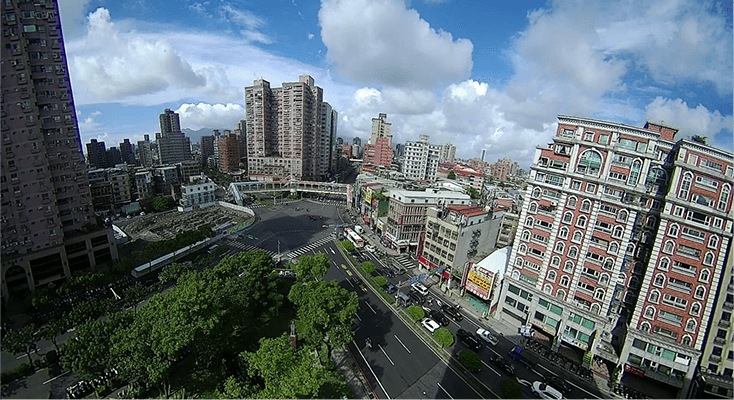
[379, 151]
[127, 152]
[207, 149]
[96, 154]
[328, 151]
[421, 160]
[145, 152]
[284, 129]
[48, 224]
[229, 152]
[623, 237]
[173, 145]
[447, 154]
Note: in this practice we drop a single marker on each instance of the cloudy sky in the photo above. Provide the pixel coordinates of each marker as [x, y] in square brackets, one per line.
[478, 74]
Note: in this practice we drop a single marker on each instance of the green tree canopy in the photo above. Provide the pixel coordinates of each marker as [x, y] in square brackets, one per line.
[416, 313]
[444, 337]
[21, 340]
[474, 193]
[368, 267]
[511, 389]
[451, 175]
[380, 280]
[470, 360]
[163, 203]
[313, 267]
[88, 352]
[348, 246]
[173, 271]
[51, 332]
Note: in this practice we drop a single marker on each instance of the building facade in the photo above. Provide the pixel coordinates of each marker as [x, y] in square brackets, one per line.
[594, 250]
[229, 152]
[379, 151]
[284, 128]
[448, 153]
[49, 229]
[198, 193]
[173, 145]
[145, 152]
[421, 160]
[96, 154]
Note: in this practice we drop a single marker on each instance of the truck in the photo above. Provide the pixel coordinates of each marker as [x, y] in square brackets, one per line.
[527, 359]
[358, 229]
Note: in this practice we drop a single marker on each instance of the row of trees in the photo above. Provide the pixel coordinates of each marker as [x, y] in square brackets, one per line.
[213, 320]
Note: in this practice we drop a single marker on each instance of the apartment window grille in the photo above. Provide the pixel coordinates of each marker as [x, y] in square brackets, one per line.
[586, 206]
[695, 309]
[699, 293]
[650, 312]
[669, 246]
[563, 233]
[634, 174]
[654, 296]
[552, 276]
[564, 281]
[581, 221]
[568, 267]
[659, 280]
[664, 264]
[555, 261]
[559, 247]
[704, 275]
[685, 185]
[571, 202]
[622, 216]
[589, 163]
[723, 198]
[573, 252]
[561, 294]
[567, 217]
[673, 230]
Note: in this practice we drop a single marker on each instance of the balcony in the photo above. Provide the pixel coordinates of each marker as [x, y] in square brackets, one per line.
[724, 323]
[730, 288]
[719, 340]
[728, 305]
[715, 359]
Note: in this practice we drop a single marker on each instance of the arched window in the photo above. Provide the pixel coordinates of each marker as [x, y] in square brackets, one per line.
[552, 276]
[695, 309]
[724, 197]
[708, 259]
[563, 233]
[571, 202]
[669, 247]
[630, 248]
[704, 276]
[650, 222]
[659, 280]
[581, 221]
[596, 308]
[568, 266]
[573, 251]
[589, 163]
[673, 230]
[700, 293]
[586, 205]
[650, 312]
[564, 281]
[713, 242]
[691, 325]
[537, 193]
[555, 261]
[559, 247]
[634, 175]
[525, 235]
[608, 264]
[529, 221]
[618, 232]
[522, 248]
[613, 248]
[685, 185]
[515, 274]
[533, 207]
[622, 216]
[561, 294]
[603, 279]
[645, 327]
[664, 263]
[657, 176]
[633, 282]
[654, 296]
[567, 217]
[518, 262]
[577, 236]
[687, 340]
[599, 294]
[548, 288]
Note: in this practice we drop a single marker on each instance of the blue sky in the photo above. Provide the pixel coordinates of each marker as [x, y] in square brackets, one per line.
[474, 73]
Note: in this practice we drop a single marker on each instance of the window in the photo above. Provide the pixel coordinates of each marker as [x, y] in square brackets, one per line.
[518, 262]
[634, 175]
[622, 216]
[559, 247]
[561, 294]
[706, 183]
[700, 293]
[590, 188]
[691, 325]
[555, 261]
[613, 248]
[581, 221]
[548, 288]
[659, 280]
[589, 136]
[536, 193]
[571, 202]
[675, 301]
[599, 294]
[576, 185]
[724, 198]
[568, 267]
[564, 281]
[650, 312]
[552, 276]
[673, 230]
[567, 217]
[525, 235]
[577, 236]
[695, 309]
[708, 259]
[669, 247]
[529, 221]
[589, 163]
[522, 249]
[603, 139]
[654, 296]
[573, 252]
[563, 233]
[586, 206]
[713, 242]
[685, 185]
[533, 207]
[645, 327]
[664, 264]
[608, 264]
[686, 340]
[618, 232]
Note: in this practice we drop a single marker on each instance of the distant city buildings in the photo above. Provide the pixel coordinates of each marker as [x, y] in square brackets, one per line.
[448, 153]
[96, 154]
[173, 145]
[421, 160]
[379, 151]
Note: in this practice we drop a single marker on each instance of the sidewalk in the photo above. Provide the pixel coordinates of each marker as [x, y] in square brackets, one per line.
[353, 375]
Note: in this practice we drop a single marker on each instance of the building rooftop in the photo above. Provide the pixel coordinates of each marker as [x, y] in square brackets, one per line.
[467, 211]
[495, 262]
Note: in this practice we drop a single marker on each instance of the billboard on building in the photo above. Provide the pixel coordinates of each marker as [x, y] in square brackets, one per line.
[480, 282]
[368, 195]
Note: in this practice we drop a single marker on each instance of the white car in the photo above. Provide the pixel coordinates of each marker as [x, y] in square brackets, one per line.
[544, 391]
[487, 336]
[430, 325]
[420, 288]
[370, 248]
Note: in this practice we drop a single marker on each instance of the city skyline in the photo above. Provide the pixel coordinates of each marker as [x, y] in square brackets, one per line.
[511, 70]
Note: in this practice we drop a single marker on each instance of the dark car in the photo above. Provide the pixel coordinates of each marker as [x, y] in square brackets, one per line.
[417, 298]
[439, 317]
[390, 288]
[502, 364]
[558, 383]
[452, 312]
[469, 340]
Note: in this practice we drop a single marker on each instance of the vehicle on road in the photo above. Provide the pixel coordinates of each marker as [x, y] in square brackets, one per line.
[487, 336]
[502, 364]
[452, 312]
[399, 269]
[402, 298]
[545, 391]
[251, 237]
[420, 288]
[558, 383]
[370, 248]
[430, 325]
[439, 317]
[358, 229]
[416, 298]
[390, 288]
[516, 354]
[469, 340]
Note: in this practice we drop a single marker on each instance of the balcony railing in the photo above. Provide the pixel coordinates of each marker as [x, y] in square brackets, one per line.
[728, 305]
[723, 323]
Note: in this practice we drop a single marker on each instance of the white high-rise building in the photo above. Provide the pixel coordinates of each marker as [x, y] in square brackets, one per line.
[421, 160]
[448, 153]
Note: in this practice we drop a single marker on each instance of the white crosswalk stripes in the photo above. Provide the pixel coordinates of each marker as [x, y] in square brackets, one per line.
[248, 247]
[405, 261]
[309, 247]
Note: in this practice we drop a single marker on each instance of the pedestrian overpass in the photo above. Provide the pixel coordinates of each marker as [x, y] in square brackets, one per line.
[240, 189]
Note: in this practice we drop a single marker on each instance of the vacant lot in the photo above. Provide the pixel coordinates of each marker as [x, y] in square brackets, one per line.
[166, 225]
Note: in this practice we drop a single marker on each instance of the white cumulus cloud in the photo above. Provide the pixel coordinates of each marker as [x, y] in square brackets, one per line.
[204, 115]
[383, 42]
[690, 120]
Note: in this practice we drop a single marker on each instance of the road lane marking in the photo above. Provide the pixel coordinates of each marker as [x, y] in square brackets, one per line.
[401, 342]
[368, 305]
[349, 281]
[496, 352]
[57, 376]
[332, 250]
[358, 317]
[490, 368]
[455, 323]
[383, 352]
[475, 324]
[445, 391]
[370, 367]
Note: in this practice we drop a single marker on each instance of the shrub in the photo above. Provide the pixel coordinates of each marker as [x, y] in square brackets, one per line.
[444, 337]
[369, 268]
[511, 389]
[416, 313]
[470, 360]
[380, 280]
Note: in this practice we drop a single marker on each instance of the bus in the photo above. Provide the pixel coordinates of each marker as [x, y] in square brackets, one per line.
[353, 237]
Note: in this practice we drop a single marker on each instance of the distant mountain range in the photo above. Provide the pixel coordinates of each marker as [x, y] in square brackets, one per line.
[195, 135]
